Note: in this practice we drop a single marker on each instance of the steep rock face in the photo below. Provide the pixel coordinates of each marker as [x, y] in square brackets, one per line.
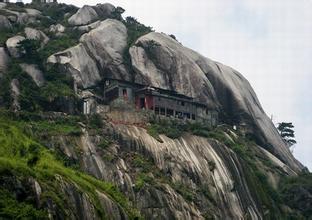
[99, 53]
[205, 166]
[107, 43]
[4, 23]
[84, 15]
[12, 45]
[163, 62]
[79, 64]
[88, 14]
[33, 71]
[34, 34]
[4, 59]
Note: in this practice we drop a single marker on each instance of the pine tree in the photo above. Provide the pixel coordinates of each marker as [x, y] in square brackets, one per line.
[286, 130]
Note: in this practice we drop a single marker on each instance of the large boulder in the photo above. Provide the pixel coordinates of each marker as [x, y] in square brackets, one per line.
[57, 28]
[88, 14]
[77, 62]
[12, 45]
[4, 23]
[34, 72]
[98, 55]
[160, 61]
[84, 15]
[34, 34]
[107, 43]
[23, 18]
[4, 59]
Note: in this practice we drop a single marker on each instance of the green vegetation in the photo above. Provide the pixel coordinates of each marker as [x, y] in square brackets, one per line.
[23, 157]
[175, 128]
[10, 208]
[296, 192]
[286, 130]
[57, 44]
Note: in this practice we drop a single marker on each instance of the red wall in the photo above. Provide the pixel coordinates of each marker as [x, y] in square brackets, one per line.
[148, 102]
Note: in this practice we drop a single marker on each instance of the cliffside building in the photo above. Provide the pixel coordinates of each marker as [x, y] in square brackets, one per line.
[161, 102]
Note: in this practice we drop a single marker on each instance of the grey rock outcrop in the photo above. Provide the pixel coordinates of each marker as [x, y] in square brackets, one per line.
[99, 54]
[160, 61]
[33, 71]
[57, 28]
[88, 14]
[4, 23]
[23, 18]
[34, 34]
[2, 5]
[88, 27]
[107, 43]
[4, 59]
[12, 45]
[84, 15]
[79, 64]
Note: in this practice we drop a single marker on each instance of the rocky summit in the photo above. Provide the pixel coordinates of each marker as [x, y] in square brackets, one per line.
[104, 118]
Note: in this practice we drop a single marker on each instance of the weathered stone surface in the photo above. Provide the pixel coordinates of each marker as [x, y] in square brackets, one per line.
[4, 23]
[87, 28]
[57, 28]
[79, 64]
[107, 43]
[84, 15]
[88, 14]
[34, 34]
[2, 5]
[105, 10]
[33, 12]
[23, 18]
[33, 71]
[4, 59]
[98, 55]
[12, 45]
[163, 62]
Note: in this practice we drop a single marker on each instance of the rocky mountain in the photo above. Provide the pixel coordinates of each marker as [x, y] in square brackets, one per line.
[118, 162]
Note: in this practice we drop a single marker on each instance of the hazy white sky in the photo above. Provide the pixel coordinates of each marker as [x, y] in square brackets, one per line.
[269, 42]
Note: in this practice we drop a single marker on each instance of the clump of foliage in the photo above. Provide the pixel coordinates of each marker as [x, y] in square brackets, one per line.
[17, 153]
[286, 130]
[175, 128]
[11, 208]
[296, 192]
[57, 44]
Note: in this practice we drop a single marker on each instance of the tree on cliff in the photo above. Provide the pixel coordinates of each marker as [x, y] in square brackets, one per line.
[286, 130]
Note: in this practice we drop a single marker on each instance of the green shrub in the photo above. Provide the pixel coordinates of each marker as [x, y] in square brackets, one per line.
[10, 208]
[105, 143]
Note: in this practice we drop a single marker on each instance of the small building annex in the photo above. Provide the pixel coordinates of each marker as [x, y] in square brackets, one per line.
[158, 101]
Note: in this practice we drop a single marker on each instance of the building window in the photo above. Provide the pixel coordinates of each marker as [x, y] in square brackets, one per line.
[179, 115]
[162, 111]
[157, 110]
[187, 115]
[183, 103]
[193, 116]
[170, 112]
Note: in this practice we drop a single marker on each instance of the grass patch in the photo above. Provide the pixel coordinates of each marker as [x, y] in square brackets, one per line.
[17, 150]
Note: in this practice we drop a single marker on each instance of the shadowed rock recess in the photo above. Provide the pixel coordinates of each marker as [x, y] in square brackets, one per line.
[67, 153]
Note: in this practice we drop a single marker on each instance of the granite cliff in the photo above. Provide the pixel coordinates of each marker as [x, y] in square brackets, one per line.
[117, 163]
